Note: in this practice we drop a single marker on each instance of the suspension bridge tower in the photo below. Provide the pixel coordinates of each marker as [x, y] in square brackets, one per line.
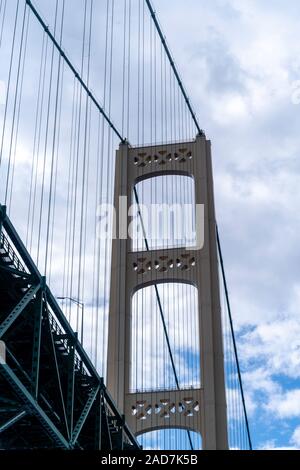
[202, 410]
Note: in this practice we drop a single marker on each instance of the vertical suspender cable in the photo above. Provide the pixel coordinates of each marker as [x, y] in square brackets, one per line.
[37, 149]
[102, 196]
[15, 104]
[234, 340]
[161, 312]
[69, 193]
[3, 10]
[84, 166]
[9, 80]
[56, 168]
[46, 140]
[35, 158]
[55, 131]
[19, 103]
[176, 73]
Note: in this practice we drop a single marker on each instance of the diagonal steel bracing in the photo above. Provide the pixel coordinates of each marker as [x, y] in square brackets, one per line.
[35, 409]
[11, 318]
[12, 421]
[85, 412]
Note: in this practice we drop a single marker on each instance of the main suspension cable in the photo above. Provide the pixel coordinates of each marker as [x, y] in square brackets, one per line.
[75, 72]
[172, 63]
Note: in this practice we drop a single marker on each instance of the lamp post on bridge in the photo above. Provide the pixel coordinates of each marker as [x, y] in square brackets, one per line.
[81, 305]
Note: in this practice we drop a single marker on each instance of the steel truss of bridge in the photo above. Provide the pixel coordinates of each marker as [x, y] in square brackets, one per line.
[51, 394]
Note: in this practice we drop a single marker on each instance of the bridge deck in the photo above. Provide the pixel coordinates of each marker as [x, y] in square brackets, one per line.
[51, 394]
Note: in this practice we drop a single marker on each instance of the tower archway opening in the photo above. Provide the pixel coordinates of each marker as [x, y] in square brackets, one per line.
[165, 349]
[167, 207]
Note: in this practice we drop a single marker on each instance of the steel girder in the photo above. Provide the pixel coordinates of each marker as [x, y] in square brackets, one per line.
[51, 394]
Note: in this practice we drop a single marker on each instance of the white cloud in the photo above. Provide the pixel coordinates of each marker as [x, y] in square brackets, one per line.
[285, 405]
[230, 108]
[271, 445]
[294, 443]
[275, 344]
[2, 92]
[260, 380]
[296, 437]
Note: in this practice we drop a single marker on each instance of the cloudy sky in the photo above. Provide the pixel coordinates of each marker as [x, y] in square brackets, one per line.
[240, 60]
